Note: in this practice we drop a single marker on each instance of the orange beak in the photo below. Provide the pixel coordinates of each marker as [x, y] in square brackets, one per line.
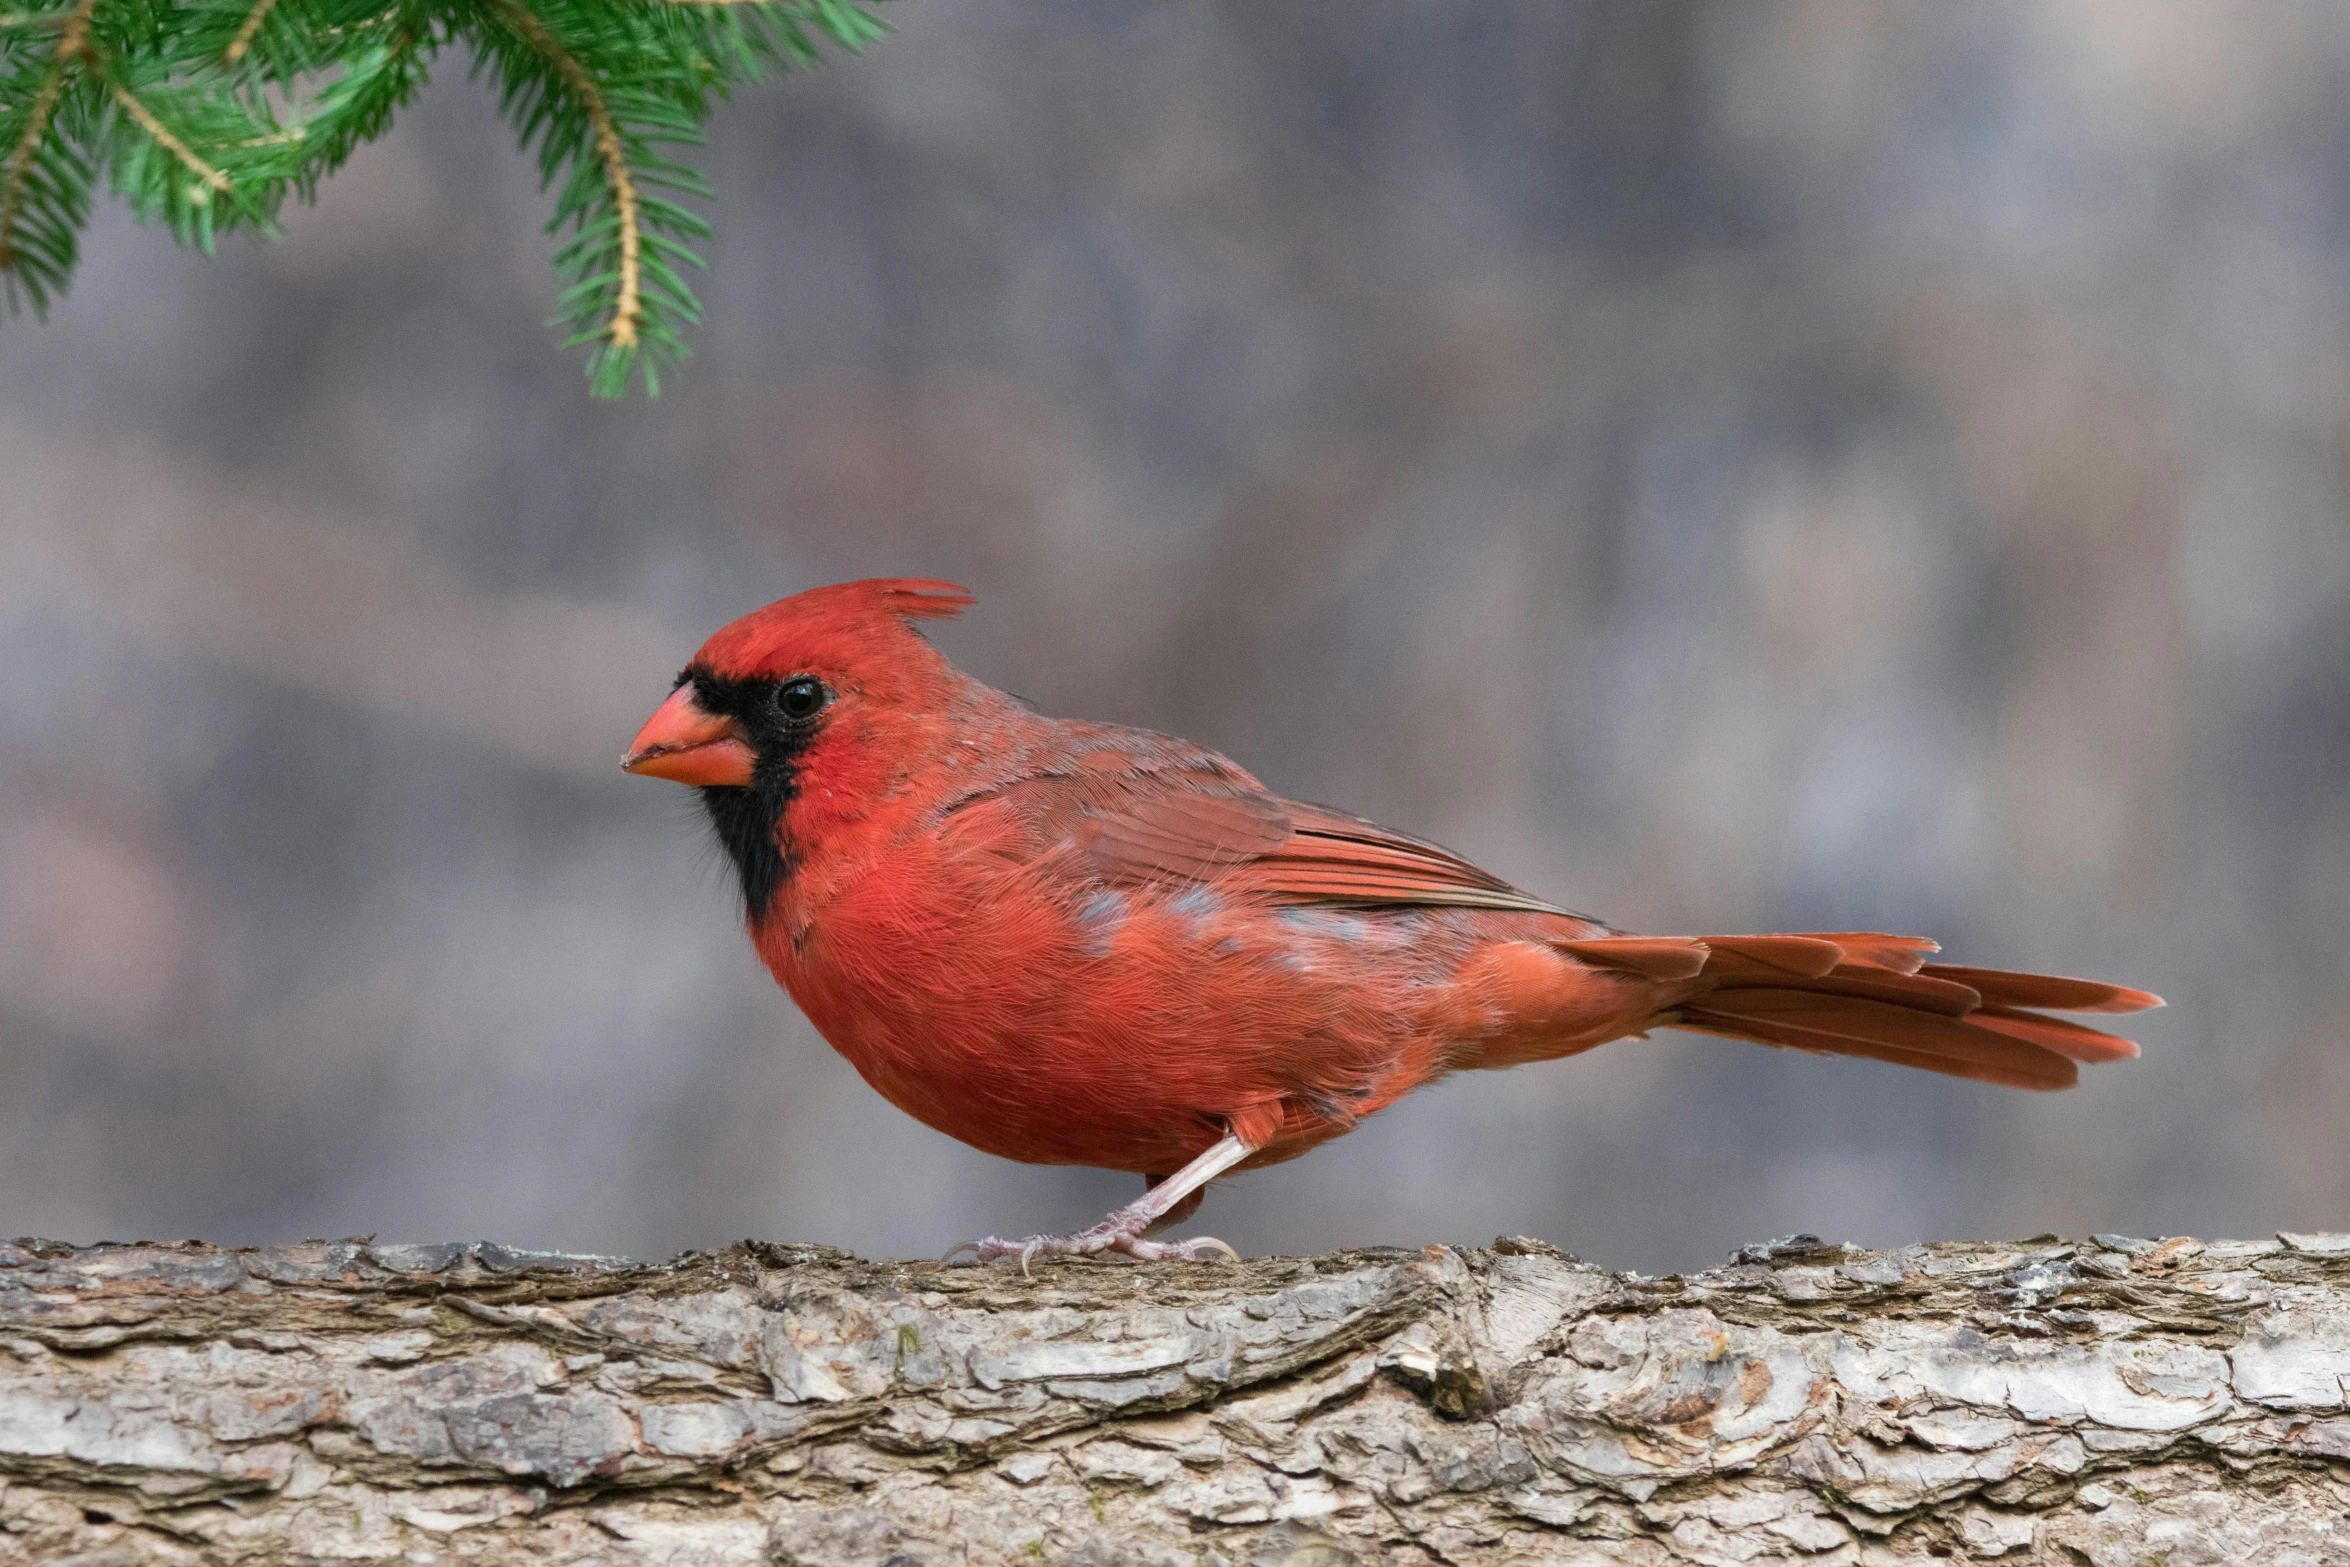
[685, 742]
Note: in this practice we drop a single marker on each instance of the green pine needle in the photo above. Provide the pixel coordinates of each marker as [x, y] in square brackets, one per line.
[205, 115]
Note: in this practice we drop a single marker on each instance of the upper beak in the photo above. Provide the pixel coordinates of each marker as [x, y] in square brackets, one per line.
[686, 742]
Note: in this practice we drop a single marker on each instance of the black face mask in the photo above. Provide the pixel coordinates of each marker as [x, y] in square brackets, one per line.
[780, 719]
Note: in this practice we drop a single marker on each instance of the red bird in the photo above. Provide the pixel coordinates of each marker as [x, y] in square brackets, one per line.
[1076, 943]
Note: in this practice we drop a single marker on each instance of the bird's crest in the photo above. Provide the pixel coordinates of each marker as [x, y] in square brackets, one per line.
[824, 624]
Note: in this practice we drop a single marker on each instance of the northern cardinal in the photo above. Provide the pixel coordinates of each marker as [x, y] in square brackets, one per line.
[1079, 943]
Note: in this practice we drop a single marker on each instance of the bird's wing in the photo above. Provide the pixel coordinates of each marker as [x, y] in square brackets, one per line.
[1331, 857]
[1181, 816]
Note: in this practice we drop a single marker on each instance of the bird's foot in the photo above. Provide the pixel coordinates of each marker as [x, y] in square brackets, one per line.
[1128, 1230]
[1121, 1231]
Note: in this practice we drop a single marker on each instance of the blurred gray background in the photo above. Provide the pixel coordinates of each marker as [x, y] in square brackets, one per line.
[1725, 467]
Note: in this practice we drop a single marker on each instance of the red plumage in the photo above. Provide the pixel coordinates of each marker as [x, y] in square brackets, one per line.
[1076, 943]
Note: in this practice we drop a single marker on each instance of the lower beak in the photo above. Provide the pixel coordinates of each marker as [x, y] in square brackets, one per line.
[686, 742]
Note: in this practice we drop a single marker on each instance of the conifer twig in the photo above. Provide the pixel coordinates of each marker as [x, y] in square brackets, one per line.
[246, 33]
[70, 44]
[628, 306]
[145, 119]
[177, 102]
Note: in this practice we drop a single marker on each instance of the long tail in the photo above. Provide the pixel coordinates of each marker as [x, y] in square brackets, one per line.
[1860, 993]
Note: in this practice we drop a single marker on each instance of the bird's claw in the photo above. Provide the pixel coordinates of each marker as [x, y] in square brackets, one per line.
[1091, 1243]
[1200, 1248]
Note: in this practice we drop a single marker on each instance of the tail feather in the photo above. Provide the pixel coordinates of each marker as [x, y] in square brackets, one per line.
[1807, 956]
[2058, 1034]
[1651, 957]
[1874, 949]
[2039, 1071]
[1919, 992]
[1866, 994]
[2002, 989]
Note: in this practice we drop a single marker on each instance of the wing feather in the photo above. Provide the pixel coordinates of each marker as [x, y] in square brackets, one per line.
[1144, 811]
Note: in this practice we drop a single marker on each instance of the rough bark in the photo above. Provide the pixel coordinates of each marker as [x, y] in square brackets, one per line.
[2111, 1401]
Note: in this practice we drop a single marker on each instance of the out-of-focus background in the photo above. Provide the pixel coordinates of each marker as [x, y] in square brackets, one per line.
[1724, 466]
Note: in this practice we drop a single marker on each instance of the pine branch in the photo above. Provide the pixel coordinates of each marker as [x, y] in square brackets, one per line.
[252, 25]
[207, 114]
[42, 257]
[145, 119]
[620, 332]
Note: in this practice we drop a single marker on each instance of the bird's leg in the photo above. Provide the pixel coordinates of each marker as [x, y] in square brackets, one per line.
[1125, 1229]
[1175, 1215]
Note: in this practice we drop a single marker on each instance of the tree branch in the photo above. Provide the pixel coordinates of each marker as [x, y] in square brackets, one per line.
[72, 40]
[260, 100]
[247, 31]
[621, 329]
[2106, 1402]
[144, 118]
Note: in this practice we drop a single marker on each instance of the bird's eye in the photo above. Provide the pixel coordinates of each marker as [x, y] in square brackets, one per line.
[801, 698]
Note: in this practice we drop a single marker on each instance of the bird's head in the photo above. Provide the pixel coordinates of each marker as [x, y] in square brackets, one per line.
[817, 685]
